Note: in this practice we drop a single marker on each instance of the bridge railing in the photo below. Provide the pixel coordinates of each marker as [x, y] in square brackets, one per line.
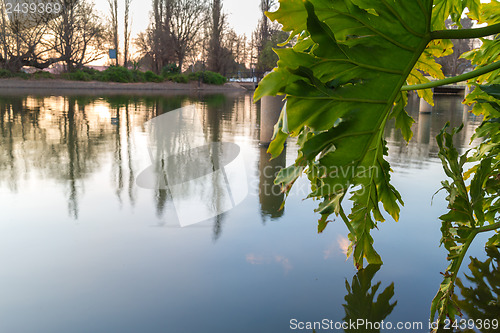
[246, 76]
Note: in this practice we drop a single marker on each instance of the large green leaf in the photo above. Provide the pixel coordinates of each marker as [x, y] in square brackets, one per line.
[473, 209]
[342, 80]
[342, 83]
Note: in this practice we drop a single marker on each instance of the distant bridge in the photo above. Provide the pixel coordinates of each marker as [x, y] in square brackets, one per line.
[451, 89]
[250, 80]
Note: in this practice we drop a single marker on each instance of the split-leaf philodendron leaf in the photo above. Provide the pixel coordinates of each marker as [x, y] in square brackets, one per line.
[342, 81]
[473, 208]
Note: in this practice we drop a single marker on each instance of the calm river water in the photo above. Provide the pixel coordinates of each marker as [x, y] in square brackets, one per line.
[86, 247]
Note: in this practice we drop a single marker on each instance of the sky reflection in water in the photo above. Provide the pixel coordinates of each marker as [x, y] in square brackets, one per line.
[84, 249]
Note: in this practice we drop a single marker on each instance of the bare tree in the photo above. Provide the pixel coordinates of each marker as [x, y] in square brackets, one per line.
[24, 42]
[253, 50]
[113, 11]
[185, 25]
[73, 37]
[154, 53]
[144, 46]
[126, 36]
[452, 64]
[3, 33]
[155, 44]
[226, 50]
[241, 50]
[216, 59]
[266, 37]
[176, 28]
[265, 28]
[234, 47]
[78, 35]
[243, 53]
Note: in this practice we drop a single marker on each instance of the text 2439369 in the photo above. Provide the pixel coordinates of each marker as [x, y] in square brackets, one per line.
[38, 7]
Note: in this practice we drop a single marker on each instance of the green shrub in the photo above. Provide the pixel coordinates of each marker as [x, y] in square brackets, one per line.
[78, 75]
[42, 75]
[4, 73]
[22, 75]
[117, 74]
[179, 78]
[194, 76]
[213, 78]
[94, 73]
[138, 75]
[123, 75]
[152, 77]
[170, 70]
[208, 77]
[84, 74]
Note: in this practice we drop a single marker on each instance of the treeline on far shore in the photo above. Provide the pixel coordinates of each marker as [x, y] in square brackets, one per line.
[123, 75]
[192, 34]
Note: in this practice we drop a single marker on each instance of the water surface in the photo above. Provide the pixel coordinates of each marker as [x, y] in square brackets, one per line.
[83, 248]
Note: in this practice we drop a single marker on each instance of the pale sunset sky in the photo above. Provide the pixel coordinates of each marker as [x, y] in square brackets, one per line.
[243, 15]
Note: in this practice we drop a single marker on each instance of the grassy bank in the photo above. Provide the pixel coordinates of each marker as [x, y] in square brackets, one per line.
[123, 75]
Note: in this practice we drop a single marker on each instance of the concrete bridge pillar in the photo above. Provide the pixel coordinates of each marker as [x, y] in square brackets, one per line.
[425, 107]
[270, 195]
[270, 110]
[424, 128]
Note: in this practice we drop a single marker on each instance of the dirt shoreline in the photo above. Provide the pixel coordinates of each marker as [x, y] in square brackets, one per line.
[52, 86]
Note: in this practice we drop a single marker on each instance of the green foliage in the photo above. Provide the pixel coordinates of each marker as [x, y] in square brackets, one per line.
[5, 73]
[139, 76]
[179, 78]
[345, 77]
[116, 74]
[42, 75]
[268, 58]
[489, 53]
[208, 77]
[457, 224]
[194, 76]
[169, 70]
[124, 75]
[149, 76]
[113, 74]
[22, 75]
[454, 9]
[78, 75]
[342, 83]
[473, 208]
[94, 73]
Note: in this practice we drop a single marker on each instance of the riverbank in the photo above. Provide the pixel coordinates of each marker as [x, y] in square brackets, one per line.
[44, 86]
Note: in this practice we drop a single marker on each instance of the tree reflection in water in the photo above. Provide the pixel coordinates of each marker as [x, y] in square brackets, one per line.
[270, 195]
[361, 302]
[52, 138]
[481, 299]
